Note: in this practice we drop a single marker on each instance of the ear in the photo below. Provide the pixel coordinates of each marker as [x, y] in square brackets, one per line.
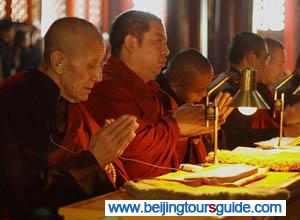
[130, 43]
[57, 61]
[175, 86]
[252, 59]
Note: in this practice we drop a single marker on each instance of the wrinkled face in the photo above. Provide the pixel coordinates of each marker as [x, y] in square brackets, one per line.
[151, 55]
[82, 71]
[196, 88]
[275, 68]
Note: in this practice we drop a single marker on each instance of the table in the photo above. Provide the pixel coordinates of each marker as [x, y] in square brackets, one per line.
[93, 209]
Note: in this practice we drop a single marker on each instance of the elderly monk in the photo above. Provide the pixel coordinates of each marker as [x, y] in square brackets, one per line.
[139, 49]
[186, 79]
[52, 152]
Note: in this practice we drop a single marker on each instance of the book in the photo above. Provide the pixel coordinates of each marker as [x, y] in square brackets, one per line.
[287, 142]
[223, 174]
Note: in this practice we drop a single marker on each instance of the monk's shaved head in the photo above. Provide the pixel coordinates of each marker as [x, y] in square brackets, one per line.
[184, 66]
[73, 56]
[70, 35]
[188, 75]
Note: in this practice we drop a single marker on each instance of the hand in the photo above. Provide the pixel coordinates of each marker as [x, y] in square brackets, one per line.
[222, 102]
[196, 139]
[110, 141]
[191, 120]
[291, 114]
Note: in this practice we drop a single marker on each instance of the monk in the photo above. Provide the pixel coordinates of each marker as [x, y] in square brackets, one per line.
[52, 151]
[250, 50]
[274, 73]
[139, 50]
[291, 116]
[186, 79]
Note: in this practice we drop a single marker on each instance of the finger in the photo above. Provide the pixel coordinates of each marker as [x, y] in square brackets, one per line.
[124, 132]
[122, 122]
[200, 108]
[197, 115]
[196, 140]
[202, 130]
[108, 122]
[218, 97]
[129, 126]
[228, 100]
[187, 105]
[124, 143]
[228, 112]
[223, 100]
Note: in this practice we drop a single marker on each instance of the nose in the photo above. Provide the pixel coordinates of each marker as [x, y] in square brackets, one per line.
[165, 50]
[97, 75]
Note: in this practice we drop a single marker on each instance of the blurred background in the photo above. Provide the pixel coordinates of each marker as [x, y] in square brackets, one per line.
[207, 25]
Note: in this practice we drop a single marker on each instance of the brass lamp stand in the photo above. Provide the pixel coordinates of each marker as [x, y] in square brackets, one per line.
[212, 114]
[246, 97]
[279, 105]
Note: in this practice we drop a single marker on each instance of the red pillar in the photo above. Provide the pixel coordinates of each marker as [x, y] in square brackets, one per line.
[70, 8]
[87, 9]
[105, 16]
[29, 12]
[290, 33]
[8, 9]
[126, 5]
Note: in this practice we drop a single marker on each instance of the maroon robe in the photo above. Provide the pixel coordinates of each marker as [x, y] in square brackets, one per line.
[189, 151]
[80, 127]
[123, 92]
[262, 119]
[27, 118]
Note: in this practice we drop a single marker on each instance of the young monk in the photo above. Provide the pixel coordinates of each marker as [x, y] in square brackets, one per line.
[186, 79]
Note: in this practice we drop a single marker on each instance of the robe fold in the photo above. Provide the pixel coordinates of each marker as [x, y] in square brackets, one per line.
[262, 119]
[123, 92]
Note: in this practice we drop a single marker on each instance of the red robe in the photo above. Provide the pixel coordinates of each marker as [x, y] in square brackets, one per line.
[197, 152]
[123, 92]
[80, 127]
[262, 119]
[30, 177]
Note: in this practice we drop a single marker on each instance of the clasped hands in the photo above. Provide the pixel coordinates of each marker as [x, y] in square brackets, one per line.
[191, 118]
[111, 140]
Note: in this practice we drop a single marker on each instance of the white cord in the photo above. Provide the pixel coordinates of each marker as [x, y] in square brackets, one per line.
[124, 158]
[62, 147]
[108, 122]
